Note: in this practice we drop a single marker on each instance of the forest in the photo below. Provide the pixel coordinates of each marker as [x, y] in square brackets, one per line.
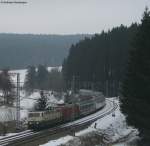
[99, 62]
[21, 50]
[117, 63]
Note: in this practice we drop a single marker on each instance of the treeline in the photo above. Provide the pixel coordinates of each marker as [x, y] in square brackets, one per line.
[34, 49]
[136, 84]
[42, 79]
[99, 62]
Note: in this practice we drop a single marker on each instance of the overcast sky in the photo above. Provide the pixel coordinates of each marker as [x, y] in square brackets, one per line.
[69, 16]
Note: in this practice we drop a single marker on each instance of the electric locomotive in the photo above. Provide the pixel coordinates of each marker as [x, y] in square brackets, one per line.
[79, 105]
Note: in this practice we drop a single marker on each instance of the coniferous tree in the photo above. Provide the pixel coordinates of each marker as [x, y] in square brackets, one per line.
[100, 58]
[136, 86]
[30, 80]
[55, 80]
[42, 102]
[42, 77]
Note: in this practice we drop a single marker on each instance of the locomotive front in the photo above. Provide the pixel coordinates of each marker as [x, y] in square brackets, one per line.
[42, 119]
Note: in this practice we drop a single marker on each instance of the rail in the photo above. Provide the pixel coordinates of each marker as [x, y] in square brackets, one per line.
[28, 136]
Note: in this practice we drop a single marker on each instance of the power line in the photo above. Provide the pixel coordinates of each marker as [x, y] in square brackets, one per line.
[18, 126]
[18, 123]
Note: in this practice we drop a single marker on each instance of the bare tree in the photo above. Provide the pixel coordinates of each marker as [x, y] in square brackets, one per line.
[6, 86]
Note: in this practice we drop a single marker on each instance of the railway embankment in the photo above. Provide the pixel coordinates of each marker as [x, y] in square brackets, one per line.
[109, 130]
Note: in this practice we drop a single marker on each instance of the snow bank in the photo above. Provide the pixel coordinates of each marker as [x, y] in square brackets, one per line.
[110, 128]
[114, 128]
[59, 141]
[7, 135]
[28, 101]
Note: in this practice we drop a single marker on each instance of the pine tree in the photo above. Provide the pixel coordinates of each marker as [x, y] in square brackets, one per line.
[42, 77]
[136, 86]
[100, 58]
[42, 102]
[55, 80]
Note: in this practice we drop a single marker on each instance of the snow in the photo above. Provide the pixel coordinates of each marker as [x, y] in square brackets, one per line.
[119, 144]
[59, 141]
[7, 114]
[58, 67]
[52, 99]
[27, 102]
[113, 128]
[23, 72]
[8, 134]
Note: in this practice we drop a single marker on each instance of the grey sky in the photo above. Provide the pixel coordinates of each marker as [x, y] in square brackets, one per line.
[69, 16]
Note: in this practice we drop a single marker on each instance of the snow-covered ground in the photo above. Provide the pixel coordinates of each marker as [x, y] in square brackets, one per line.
[110, 128]
[59, 141]
[7, 114]
[27, 101]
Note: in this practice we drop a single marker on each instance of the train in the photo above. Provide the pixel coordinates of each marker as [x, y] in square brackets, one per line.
[78, 105]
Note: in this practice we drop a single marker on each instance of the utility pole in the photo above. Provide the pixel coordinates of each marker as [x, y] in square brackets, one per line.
[107, 88]
[73, 103]
[18, 126]
[73, 85]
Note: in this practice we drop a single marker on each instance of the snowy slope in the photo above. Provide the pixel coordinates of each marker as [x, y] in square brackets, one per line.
[115, 128]
[59, 141]
[112, 129]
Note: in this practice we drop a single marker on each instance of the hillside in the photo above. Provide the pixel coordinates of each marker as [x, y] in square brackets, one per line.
[21, 50]
[105, 58]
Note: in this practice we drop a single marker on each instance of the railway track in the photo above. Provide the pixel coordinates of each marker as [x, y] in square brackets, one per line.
[28, 135]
